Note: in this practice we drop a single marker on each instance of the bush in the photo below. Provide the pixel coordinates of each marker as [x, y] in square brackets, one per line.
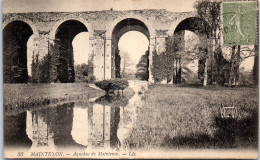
[91, 78]
[112, 85]
[246, 78]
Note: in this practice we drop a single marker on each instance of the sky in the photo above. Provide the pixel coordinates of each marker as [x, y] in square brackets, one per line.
[80, 46]
[14, 6]
[134, 44]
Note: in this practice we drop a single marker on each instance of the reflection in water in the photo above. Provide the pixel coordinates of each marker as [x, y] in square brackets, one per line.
[79, 130]
[39, 132]
[128, 119]
[104, 123]
[15, 132]
[99, 124]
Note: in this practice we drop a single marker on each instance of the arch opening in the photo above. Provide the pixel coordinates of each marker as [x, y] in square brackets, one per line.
[190, 38]
[123, 28]
[64, 37]
[133, 47]
[15, 38]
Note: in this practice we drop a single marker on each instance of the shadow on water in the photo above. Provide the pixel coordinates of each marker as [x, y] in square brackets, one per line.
[15, 133]
[113, 100]
[78, 125]
[230, 133]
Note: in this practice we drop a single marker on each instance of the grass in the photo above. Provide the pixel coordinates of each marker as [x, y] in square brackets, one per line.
[184, 117]
[18, 97]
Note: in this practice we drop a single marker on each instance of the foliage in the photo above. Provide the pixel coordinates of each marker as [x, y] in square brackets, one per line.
[44, 70]
[210, 12]
[112, 85]
[91, 78]
[256, 63]
[40, 69]
[221, 68]
[14, 62]
[143, 67]
[156, 66]
[83, 72]
[57, 65]
[54, 61]
[125, 63]
[66, 73]
[117, 64]
[163, 63]
[246, 77]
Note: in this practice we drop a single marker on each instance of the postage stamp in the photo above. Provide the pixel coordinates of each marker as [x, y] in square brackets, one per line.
[239, 23]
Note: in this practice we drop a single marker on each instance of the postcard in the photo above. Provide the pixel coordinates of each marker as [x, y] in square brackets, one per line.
[113, 79]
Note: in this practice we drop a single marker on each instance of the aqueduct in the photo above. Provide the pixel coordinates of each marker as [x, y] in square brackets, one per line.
[104, 27]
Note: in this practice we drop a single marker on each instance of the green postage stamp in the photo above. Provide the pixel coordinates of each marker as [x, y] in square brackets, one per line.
[239, 23]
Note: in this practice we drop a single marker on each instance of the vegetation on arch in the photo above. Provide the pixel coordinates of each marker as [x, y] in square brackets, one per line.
[58, 66]
[168, 65]
[214, 66]
[143, 67]
[112, 85]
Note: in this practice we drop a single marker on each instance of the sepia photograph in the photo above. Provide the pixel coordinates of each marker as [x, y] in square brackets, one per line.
[132, 79]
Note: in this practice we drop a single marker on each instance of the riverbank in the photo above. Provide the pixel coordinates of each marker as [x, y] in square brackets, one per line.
[26, 96]
[188, 117]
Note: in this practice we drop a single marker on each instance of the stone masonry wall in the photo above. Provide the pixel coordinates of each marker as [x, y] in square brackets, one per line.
[160, 24]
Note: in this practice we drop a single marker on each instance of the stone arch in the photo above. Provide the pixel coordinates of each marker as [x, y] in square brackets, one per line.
[198, 26]
[56, 25]
[194, 24]
[111, 27]
[122, 27]
[29, 22]
[15, 38]
[178, 21]
[64, 36]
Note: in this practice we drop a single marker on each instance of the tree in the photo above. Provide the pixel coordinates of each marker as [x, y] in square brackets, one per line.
[234, 56]
[34, 69]
[14, 60]
[210, 12]
[255, 68]
[9, 50]
[163, 64]
[175, 47]
[82, 71]
[65, 69]
[157, 74]
[197, 49]
[117, 63]
[125, 63]
[143, 67]
[54, 60]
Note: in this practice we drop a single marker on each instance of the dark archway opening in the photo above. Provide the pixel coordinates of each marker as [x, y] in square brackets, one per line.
[201, 30]
[120, 29]
[15, 37]
[65, 34]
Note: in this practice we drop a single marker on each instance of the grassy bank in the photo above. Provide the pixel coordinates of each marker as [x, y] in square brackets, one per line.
[23, 96]
[188, 117]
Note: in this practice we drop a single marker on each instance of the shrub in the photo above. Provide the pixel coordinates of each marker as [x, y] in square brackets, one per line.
[112, 85]
[91, 78]
[246, 78]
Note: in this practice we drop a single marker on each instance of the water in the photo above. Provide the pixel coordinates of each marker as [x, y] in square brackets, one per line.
[103, 122]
